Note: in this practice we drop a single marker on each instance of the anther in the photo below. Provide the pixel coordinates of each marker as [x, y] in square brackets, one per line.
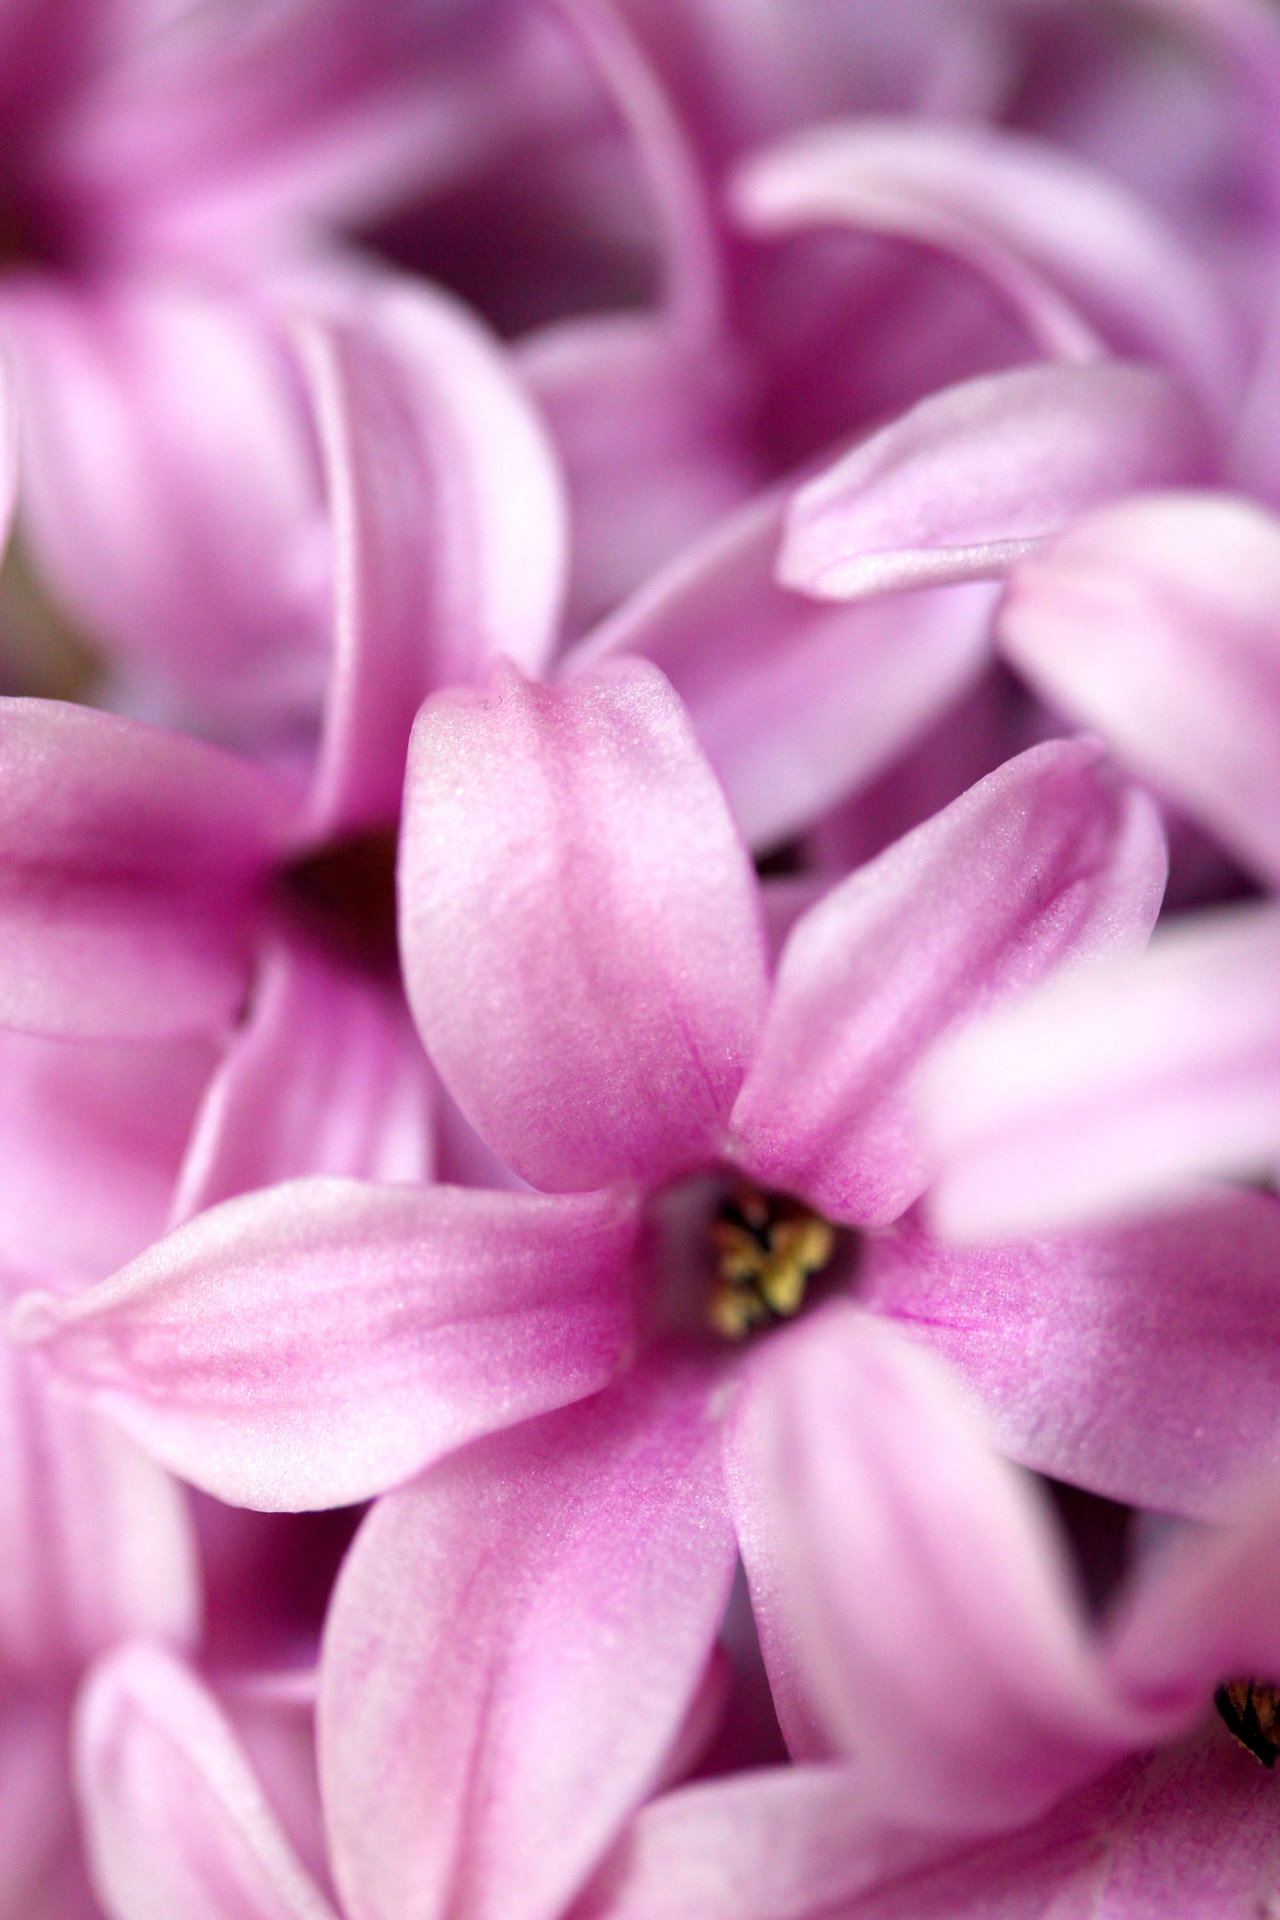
[1252, 1714]
[767, 1249]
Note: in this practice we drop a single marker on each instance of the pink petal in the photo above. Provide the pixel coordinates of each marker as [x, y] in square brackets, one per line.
[176, 1821]
[1064, 244]
[652, 431]
[326, 1076]
[95, 1539]
[1100, 1094]
[1045, 861]
[1140, 1361]
[92, 1134]
[313, 1344]
[914, 1603]
[514, 1644]
[8, 454]
[1158, 622]
[447, 515]
[130, 858]
[974, 477]
[770, 1843]
[41, 1875]
[579, 925]
[170, 487]
[794, 704]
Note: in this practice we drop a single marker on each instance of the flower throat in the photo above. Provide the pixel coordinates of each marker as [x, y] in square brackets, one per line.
[767, 1249]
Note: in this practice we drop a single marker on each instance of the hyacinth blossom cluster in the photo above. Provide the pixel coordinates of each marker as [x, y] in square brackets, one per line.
[639, 1036]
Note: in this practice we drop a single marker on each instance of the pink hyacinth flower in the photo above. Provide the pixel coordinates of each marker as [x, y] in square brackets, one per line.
[930, 1659]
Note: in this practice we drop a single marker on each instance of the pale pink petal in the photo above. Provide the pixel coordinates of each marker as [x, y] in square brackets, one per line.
[128, 859]
[313, 1344]
[794, 703]
[770, 1843]
[1141, 1361]
[1048, 860]
[1069, 249]
[1158, 622]
[1193, 1830]
[447, 521]
[579, 925]
[974, 477]
[8, 453]
[652, 432]
[95, 1539]
[914, 1601]
[170, 487]
[1205, 1610]
[92, 1134]
[514, 1643]
[1102, 1094]
[325, 1076]
[176, 1821]
[41, 1870]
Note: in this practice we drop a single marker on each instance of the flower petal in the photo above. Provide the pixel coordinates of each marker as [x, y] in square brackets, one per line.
[914, 1603]
[768, 1843]
[1064, 244]
[326, 1076]
[311, 1345]
[579, 925]
[128, 859]
[176, 1820]
[975, 476]
[514, 1643]
[1158, 622]
[1141, 1361]
[41, 1873]
[1100, 1094]
[1047, 860]
[447, 514]
[794, 704]
[96, 1540]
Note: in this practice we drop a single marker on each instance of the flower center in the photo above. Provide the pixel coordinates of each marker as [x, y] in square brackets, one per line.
[767, 1248]
[1252, 1714]
[348, 894]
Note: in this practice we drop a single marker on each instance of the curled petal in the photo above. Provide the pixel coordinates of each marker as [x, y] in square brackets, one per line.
[447, 516]
[313, 1344]
[128, 858]
[964, 1682]
[974, 477]
[1065, 245]
[515, 1642]
[325, 1076]
[1101, 1094]
[579, 924]
[1158, 622]
[1047, 860]
[794, 704]
[1141, 1360]
[176, 1820]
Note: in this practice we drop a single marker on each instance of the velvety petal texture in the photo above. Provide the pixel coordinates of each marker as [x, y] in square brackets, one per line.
[1069, 249]
[447, 522]
[95, 1539]
[313, 1344]
[1102, 1094]
[130, 859]
[974, 477]
[965, 1685]
[794, 703]
[1158, 622]
[176, 1820]
[1140, 1360]
[1048, 860]
[579, 925]
[325, 1076]
[513, 1646]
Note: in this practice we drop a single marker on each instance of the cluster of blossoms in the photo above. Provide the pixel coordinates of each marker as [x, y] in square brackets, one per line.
[639, 1013]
